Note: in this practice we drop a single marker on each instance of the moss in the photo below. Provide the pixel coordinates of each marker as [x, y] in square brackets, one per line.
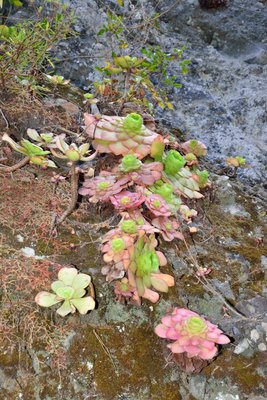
[241, 370]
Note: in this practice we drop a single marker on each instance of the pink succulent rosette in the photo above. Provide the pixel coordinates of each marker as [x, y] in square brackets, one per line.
[157, 205]
[101, 187]
[194, 146]
[119, 135]
[187, 213]
[148, 174]
[191, 333]
[168, 228]
[127, 200]
[124, 291]
[117, 248]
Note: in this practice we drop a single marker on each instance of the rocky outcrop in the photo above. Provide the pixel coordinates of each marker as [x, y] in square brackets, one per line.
[223, 98]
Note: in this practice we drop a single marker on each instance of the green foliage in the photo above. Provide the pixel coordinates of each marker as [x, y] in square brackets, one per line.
[132, 77]
[157, 62]
[26, 48]
[16, 3]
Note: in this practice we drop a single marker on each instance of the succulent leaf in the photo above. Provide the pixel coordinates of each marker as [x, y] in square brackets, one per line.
[56, 285]
[46, 299]
[83, 305]
[65, 292]
[67, 275]
[81, 281]
[65, 309]
[34, 135]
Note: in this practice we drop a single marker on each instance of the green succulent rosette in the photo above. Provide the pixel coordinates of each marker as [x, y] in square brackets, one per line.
[117, 245]
[133, 124]
[129, 163]
[195, 326]
[173, 162]
[147, 262]
[69, 289]
[203, 177]
[129, 226]
[165, 190]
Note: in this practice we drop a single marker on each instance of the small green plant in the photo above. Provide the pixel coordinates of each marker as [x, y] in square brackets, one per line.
[26, 48]
[131, 77]
[69, 288]
[236, 162]
[33, 154]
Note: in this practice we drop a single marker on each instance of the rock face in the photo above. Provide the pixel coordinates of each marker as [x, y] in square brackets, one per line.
[223, 98]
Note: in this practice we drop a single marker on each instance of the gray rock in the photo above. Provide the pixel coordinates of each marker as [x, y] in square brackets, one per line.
[262, 347]
[224, 288]
[254, 335]
[197, 386]
[222, 101]
[242, 346]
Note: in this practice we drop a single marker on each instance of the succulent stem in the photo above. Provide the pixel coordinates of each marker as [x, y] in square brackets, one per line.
[126, 90]
[14, 167]
[74, 194]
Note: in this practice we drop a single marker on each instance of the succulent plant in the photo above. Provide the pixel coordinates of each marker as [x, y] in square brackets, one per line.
[191, 159]
[102, 187]
[127, 62]
[117, 247]
[35, 154]
[191, 333]
[144, 267]
[135, 224]
[202, 178]
[168, 228]
[236, 162]
[173, 162]
[165, 190]
[194, 146]
[120, 135]
[58, 79]
[129, 226]
[69, 288]
[72, 152]
[42, 139]
[129, 163]
[184, 183]
[157, 205]
[124, 291]
[187, 213]
[126, 200]
[148, 174]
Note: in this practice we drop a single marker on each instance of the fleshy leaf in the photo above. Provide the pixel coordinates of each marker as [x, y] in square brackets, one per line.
[81, 281]
[67, 275]
[83, 149]
[34, 135]
[78, 293]
[159, 284]
[32, 149]
[65, 292]
[83, 305]
[46, 299]
[65, 309]
[57, 284]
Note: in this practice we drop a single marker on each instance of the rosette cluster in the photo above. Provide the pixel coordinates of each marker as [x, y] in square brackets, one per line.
[191, 334]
